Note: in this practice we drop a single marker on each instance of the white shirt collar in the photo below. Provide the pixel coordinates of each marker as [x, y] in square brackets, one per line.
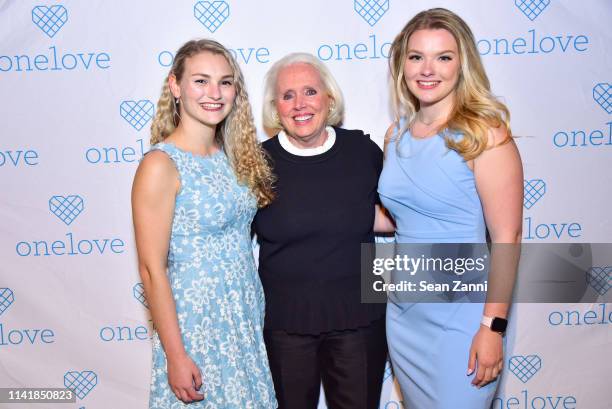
[291, 148]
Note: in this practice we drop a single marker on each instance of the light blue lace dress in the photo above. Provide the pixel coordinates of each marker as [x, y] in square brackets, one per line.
[218, 295]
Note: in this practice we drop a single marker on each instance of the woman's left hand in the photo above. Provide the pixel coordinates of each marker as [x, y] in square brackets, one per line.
[486, 356]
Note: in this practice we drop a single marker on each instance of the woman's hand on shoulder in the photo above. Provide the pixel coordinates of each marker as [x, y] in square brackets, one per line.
[498, 172]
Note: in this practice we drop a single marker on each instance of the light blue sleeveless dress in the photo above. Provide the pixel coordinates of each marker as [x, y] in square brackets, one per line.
[218, 295]
[431, 193]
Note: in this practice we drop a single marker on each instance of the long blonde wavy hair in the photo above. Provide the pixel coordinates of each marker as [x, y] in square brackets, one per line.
[475, 109]
[236, 133]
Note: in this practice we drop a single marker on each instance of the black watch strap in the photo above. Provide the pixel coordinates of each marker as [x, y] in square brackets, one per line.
[496, 324]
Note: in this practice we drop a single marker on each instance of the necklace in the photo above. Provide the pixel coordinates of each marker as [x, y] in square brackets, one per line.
[430, 123]
[428, 128]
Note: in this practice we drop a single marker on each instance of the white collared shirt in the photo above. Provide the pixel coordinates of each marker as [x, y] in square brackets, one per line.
[283, 139]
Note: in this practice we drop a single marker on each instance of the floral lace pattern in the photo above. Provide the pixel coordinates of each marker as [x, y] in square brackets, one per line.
[216, 288]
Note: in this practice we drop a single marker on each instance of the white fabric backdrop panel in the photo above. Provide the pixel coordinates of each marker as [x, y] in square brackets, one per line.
[80, 80]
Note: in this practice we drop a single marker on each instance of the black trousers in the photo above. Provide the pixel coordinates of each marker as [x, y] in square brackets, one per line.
[350, 363]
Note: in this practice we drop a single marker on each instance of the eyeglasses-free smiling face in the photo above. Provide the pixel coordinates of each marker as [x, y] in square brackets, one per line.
[206, 89]
[432, 67]
[302, 103]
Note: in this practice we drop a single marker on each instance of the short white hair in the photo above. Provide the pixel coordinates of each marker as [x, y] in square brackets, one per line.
[270, 115]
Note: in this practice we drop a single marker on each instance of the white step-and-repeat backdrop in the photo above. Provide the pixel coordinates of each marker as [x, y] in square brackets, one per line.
[80, 80]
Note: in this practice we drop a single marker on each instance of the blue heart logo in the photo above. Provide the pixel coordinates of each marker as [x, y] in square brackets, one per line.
[212, 14]
[602, 94]
[66, 208]
[600, 278]
[531, 8]
[388, 371]
[139, 294]
[534, 189]
[137, 113]
[525, 367]
[50, 19]
[371, 10]
[6, 299]
[81, 383]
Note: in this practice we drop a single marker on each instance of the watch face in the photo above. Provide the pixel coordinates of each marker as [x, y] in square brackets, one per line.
[499, 324]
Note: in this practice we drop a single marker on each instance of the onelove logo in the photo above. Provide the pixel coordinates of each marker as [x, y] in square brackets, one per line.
[534, 191]
[18, 157]
[371, 10]
[596, 315]
[525, 368]
[585, 138]
[118, 333]
[6, 299]
[531, 8]
[80, 382]
[244, 55]
[533, 42]
[212, 15]
[372, 49]
[17, 336]
[50, 20]
[600, 279]
[602, 94]
[139, 294]
[137, 114]
[67, 209]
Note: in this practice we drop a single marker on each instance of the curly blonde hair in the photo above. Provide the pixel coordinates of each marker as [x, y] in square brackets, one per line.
[236, 133]
[475, 109]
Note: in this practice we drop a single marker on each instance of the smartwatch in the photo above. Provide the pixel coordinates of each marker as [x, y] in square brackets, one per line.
[496, 324]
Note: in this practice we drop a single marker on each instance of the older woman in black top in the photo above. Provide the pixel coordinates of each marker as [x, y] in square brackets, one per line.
[316, 329]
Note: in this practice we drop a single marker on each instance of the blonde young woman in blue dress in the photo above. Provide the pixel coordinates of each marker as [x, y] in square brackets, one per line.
[451, 172]
[194, 197]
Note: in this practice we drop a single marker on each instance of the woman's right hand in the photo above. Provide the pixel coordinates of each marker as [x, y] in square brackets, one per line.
[185, 379]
